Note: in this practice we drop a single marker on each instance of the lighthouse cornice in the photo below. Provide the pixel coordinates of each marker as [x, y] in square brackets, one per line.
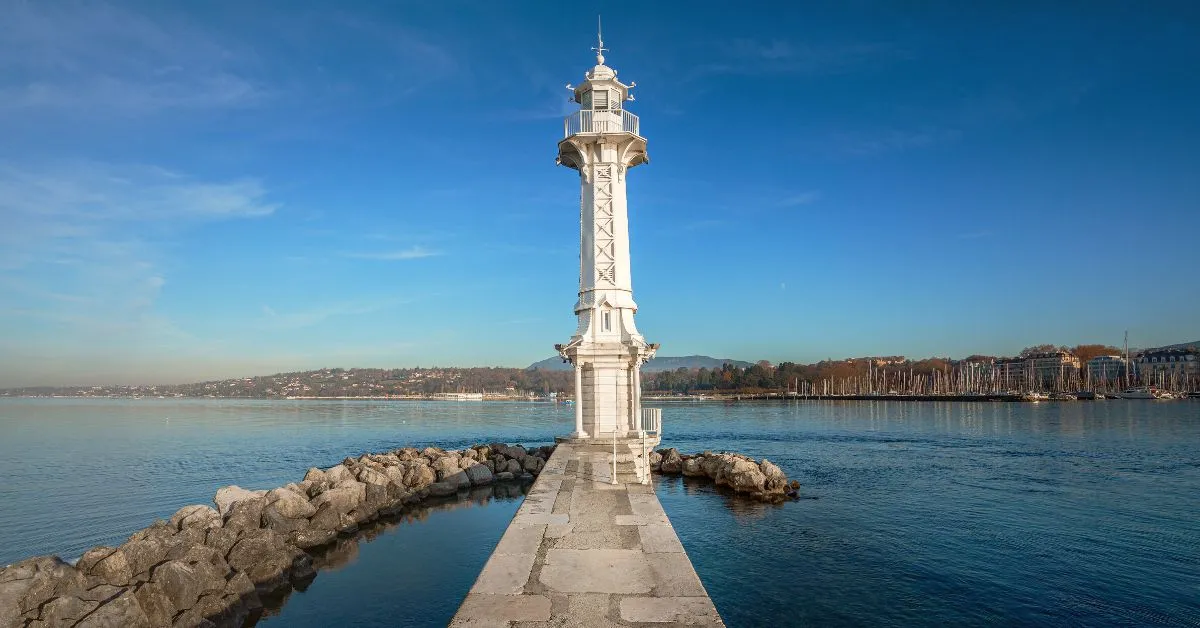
[580, 150]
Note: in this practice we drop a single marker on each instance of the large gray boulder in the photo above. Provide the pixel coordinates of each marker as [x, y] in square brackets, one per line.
[448, 471]
[155, 603]
[241, 592]
[367, 475]
[327, 518]
[290, 504]
[419, 475]
[150, 546]
[745, 477]
[342, 499]
[375, 499]
[315, 475]
[395, 474]
[264, 557]
[30, 583]
[692, 468]
[445, 466]
[277, 521]
[66, 610]
[182, 584]
[442, 489]
[123, 611]
[198, 516]
[408, 454]
[712, 464]
[337, 473]
[222, 539]
[246, 514]
[106, 564]
[515, 452]
[776, 479]
[479, 475]
[672, 462]
[308, 538]
[533, 464]
[227, 496]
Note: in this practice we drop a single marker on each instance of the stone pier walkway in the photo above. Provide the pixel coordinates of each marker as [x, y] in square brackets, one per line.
[582, 551]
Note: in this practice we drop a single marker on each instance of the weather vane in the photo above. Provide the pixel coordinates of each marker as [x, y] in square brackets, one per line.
[600, 41]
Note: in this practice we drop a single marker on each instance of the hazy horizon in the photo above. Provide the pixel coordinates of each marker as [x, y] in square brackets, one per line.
[198, 192]
[100, 381]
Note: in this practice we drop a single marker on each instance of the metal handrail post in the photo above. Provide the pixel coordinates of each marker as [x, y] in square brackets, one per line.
[614, 471]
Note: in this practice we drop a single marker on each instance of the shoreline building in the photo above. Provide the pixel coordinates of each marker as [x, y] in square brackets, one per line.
[602, 142]
[1051, 369]
[1111, 369]
[1160, 366]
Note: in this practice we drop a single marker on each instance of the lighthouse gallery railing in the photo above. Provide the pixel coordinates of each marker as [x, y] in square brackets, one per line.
[588, 121]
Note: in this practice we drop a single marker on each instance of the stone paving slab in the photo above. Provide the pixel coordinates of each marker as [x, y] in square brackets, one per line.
[582, 551]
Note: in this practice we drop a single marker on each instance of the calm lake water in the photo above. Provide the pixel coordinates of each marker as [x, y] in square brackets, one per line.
[1084, 513]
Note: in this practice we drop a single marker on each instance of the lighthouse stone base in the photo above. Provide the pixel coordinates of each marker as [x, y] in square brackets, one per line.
[631, 455]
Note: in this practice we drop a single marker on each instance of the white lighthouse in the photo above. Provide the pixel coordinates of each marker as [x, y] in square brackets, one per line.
[602, 142]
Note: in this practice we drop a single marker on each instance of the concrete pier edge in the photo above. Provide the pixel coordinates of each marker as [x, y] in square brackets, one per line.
[582, 551]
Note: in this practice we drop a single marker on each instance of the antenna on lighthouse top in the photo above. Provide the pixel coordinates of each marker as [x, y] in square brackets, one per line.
[600, 40]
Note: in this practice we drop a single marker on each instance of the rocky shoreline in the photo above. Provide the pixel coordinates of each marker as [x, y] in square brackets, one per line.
[742, 474]
[212, 567]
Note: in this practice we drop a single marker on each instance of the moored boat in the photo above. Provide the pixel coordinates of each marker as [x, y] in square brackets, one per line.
[1143, 392]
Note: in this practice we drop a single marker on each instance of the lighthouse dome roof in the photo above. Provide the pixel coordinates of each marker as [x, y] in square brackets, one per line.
[601, 72]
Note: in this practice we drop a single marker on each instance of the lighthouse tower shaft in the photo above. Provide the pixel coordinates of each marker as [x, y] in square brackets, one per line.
[602, 142]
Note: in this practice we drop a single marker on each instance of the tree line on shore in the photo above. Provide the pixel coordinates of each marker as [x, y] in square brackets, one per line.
[765, 377]
[374, 382]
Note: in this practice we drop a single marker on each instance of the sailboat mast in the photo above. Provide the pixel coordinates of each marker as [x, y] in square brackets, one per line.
[1128, 364]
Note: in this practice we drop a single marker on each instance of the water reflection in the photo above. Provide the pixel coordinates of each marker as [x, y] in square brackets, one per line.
[401, 551]
[744, 509]
[928, 513]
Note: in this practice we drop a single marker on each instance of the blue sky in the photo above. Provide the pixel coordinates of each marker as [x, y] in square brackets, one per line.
[201, 190]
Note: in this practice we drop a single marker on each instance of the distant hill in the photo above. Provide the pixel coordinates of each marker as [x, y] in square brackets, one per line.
[660, 363]
[1183, 345]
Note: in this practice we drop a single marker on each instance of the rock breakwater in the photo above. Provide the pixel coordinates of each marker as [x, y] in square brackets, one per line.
[760, 480]
[209, 566]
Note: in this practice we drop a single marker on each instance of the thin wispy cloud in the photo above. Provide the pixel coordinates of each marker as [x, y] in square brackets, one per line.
[802, 198]
[83, 195]
[93, 58]
[753, 57]
[96, 59]
[414, 252]
[97, 233]
[300, 319]
[869, 143]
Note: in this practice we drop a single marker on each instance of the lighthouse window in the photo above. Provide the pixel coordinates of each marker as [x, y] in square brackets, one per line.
[607, 321]
[600, 99]
[586, 101]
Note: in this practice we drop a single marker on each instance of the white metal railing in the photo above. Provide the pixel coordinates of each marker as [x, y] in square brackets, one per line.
[589, 121]
[651, 424]
[652, 420]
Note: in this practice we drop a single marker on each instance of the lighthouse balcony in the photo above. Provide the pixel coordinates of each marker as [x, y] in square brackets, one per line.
[589, 121]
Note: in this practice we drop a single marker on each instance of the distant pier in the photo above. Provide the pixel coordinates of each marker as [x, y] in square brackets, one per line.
[583, 551]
